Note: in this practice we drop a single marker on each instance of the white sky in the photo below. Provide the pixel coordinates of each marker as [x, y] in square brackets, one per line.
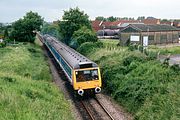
[12, 10]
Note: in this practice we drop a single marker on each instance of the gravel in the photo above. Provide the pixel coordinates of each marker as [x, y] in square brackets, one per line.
[117, 112]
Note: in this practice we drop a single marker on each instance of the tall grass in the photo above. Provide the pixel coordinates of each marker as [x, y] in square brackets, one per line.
[145, 87]
[166, 50]
[26, 90]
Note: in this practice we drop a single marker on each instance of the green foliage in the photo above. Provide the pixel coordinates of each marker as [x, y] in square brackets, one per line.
[2, 44]
[145, 87]
[84, 35]
[6, 34]
[151, 54]
[51, 29]
[133, 47]
[112, 19]
[176, 68]
[89, 47]
[72, 21]
[74, 44]
[26, 90]
[100, 18]
[166, 50]
[23, 28]
[141, 18]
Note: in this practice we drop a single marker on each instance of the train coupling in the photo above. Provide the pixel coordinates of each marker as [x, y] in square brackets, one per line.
[81, 92]
[97, 90]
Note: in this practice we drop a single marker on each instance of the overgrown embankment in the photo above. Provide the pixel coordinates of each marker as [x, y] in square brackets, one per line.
[26, 90]
[144, 86]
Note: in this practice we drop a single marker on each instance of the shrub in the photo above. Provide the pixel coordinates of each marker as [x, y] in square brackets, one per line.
[89, 47]
[139, 82]
[2, 44]
[74, 44]
[84, 35]
[175, 67]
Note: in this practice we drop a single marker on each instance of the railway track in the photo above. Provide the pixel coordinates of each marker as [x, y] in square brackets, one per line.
[96, 110]
[84, 109]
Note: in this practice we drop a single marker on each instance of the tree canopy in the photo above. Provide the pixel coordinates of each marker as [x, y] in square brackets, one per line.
[23, 28]
[51, 29]
[73, 20]
[100, 18]
[112, 19]
[84, 35]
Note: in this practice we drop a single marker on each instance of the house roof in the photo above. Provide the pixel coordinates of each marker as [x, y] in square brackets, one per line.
[176, 24]
[96, 25]
[150, 28]
[151, 21]
[115, 23]
[166, 22]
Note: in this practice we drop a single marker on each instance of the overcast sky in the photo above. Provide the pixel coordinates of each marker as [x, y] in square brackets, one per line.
[12, 10]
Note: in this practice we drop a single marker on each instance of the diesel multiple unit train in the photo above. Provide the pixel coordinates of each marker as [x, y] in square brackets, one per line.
[83, 74]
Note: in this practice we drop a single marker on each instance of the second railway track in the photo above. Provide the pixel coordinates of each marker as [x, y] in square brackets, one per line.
[95, 110]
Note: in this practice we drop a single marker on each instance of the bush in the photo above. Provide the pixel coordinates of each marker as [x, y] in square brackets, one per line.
[2, 44]
[133, 47]
[151, 55]
[139, 82]
[74, 44]
[89, 47]
[84, 35]
[175, 67]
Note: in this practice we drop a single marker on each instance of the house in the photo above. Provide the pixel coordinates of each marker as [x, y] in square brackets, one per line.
[176, 24]
[154, 34]
[124, 23]
[96, 25]
[107, 29]
[167, 23]
[100, 25]
[151, 21]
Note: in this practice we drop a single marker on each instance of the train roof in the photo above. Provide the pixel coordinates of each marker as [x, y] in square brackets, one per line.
[72, 57]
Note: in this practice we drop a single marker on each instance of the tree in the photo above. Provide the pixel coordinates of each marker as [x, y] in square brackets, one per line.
[100, 18]
[112, 19]
[73, 20]
[51, 29]
[6, 34]
[141, 18]
[84, 35]
[165, 20]
[23, 29]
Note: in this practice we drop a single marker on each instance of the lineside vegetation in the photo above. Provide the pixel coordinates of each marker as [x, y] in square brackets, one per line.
[147, 88]
[26, 88]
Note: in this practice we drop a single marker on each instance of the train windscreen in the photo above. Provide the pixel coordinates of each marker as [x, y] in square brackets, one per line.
[87, 75]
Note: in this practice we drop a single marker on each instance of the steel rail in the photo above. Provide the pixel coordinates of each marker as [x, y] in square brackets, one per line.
[88, 111]
[105, 110]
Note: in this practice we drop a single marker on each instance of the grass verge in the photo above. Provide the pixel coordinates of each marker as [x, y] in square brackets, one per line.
[26, 89]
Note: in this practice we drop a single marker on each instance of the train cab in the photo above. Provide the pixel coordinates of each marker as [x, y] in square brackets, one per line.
[88, 77]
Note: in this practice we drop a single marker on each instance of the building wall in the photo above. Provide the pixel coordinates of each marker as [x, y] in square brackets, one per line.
[125, 37]
[154, 37]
